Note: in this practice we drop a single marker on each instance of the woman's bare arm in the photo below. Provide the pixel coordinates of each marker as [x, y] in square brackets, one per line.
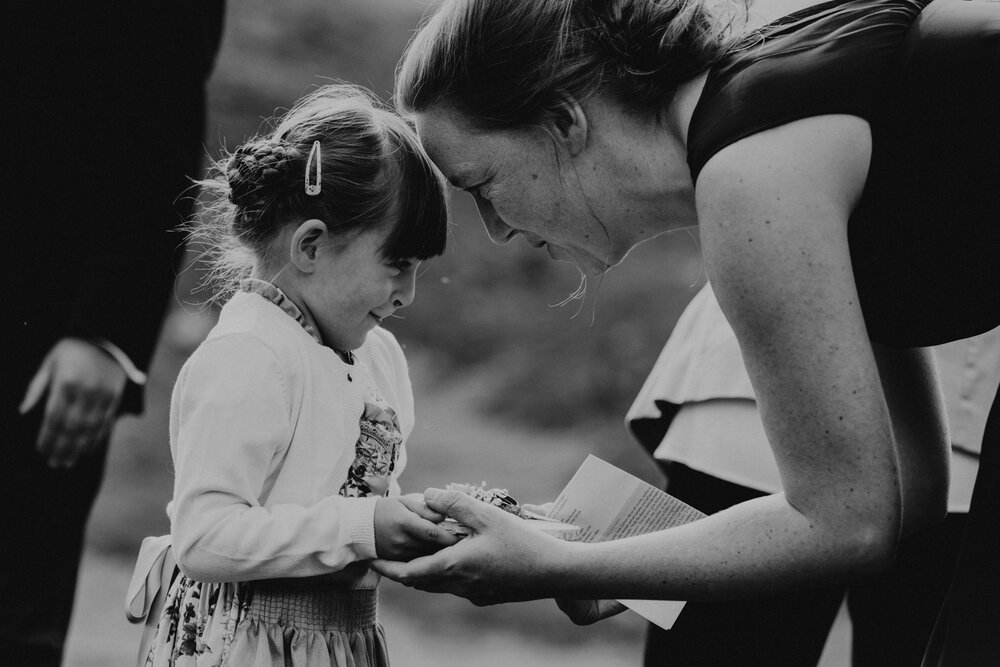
[774, 210]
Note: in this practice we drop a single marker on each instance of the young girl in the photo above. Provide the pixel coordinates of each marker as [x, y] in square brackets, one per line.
[287, 424]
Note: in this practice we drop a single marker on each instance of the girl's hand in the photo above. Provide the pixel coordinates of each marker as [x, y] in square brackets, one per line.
[402, 533]
[502, 560]
[585, 612]
[84, 386]
[415, 503]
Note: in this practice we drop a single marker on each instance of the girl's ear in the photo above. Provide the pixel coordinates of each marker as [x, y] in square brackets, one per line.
[568, 124]
[306, 241]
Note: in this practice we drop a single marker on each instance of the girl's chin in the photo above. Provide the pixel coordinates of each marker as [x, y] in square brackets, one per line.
[349, 343]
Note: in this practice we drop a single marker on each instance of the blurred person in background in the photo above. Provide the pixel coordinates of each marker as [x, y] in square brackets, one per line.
[696, 414]
[106, 112]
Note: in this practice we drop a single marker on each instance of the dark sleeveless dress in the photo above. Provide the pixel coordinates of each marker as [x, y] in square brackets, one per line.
[925, 236]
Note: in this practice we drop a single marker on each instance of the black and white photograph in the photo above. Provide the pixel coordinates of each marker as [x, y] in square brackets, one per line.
[420, 333]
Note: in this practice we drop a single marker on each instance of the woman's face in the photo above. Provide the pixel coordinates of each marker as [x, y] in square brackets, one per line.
[523, 183]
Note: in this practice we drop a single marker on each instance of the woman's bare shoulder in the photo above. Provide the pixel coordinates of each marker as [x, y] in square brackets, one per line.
[773, 208]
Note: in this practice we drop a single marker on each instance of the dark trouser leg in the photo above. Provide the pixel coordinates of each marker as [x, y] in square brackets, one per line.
[779, 630]
[43, 515]
[967, 633]
[893, 614]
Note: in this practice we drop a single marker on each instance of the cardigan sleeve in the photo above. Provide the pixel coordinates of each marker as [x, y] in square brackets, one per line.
[231, 426]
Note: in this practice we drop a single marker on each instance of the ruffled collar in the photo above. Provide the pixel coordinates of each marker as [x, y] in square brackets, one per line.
[273, 293]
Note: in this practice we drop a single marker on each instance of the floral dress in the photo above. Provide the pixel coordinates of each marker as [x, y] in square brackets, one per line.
[300, 622]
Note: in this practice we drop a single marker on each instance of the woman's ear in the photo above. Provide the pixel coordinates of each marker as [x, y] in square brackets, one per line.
[305, 243]
[568, 124]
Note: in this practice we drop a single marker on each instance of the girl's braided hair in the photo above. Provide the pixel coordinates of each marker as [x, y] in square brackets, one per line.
[374, 172]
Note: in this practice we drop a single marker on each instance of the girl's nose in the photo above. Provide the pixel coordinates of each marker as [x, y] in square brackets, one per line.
[496, 228]
[406, 288]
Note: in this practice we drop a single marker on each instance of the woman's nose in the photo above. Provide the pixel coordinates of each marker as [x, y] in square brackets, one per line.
[496, 228]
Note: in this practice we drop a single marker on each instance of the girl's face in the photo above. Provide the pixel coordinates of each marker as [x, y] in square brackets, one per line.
[521, 185]
[353, 288]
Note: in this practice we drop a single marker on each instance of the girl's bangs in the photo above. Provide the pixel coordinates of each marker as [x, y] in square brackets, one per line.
[421, 229]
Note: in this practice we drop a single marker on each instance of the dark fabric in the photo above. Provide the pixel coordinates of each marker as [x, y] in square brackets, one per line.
[925, 234]
[781, 630]
[105, 107]
[650, 431]
[892, 613]
[43, 513]
[105, 117]
[968, 629]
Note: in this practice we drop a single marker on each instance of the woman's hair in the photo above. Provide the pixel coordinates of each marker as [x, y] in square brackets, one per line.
[372, 167]
[507, 63]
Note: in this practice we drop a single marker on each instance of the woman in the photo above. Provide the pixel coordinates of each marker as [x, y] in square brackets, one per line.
[824, 159]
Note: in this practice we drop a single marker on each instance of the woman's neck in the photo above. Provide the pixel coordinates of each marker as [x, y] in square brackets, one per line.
[652, 151]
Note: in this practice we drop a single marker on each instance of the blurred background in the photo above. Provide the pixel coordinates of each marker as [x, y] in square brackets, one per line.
[510, 389]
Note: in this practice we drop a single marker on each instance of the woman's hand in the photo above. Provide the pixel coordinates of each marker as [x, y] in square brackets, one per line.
[84, 386]
[502, 560]
[415, 503]
[585, 612]
[406, 529]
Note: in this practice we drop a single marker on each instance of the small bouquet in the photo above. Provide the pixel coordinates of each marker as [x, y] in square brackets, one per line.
[501, 498]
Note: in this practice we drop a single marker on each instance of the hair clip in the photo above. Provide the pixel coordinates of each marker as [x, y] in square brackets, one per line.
[313, 189]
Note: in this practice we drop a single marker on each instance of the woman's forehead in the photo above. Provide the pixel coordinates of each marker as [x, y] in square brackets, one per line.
[457, 149]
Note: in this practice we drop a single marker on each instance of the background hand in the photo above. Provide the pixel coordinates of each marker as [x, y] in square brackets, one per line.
[585, 612]
[84, 387]
[402, 534]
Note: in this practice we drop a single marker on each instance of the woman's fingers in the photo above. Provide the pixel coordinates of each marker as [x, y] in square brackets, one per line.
[543, 510]
[585, 612]
[415, 503]
[400, 534]
[429, 532]
[419, 573]
[461, 507]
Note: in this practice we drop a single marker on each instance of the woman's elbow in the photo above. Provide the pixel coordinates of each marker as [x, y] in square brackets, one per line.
[864, 538]
[873, 546]
[926, 506]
